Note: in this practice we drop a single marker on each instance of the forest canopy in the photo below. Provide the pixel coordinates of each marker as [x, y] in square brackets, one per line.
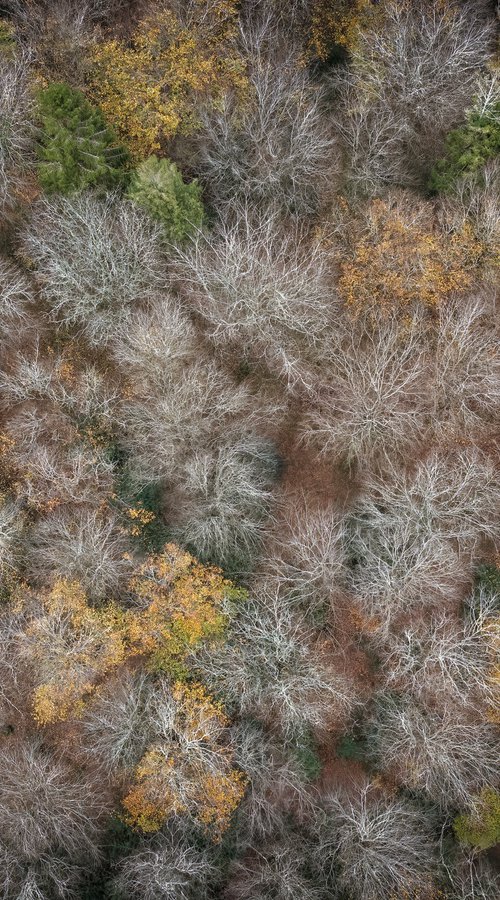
[249, 450]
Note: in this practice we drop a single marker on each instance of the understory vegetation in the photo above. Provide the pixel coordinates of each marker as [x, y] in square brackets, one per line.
[249, 447]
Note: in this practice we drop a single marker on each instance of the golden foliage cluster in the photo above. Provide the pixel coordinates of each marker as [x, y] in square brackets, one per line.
[399, 259]
[338, 22]
[189, 772]
[148, 89]
[183, 605]
[72, 646]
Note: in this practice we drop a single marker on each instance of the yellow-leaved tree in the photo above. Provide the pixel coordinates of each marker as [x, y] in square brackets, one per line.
[338, 22]
[182, 604]
[71, 646]
[188, 770]
[147, 88]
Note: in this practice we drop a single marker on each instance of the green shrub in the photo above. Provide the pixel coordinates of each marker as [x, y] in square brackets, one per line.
[487, 578]
[306, 754]
[158, 187]
[468, 148]
[351, 746]
[76, 148]
[482, 828]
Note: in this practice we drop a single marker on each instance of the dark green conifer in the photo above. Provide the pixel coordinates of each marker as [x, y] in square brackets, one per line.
[468, 148]
[76, 148]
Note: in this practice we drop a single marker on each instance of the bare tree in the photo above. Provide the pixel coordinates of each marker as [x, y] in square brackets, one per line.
[262, 290]
[80, 545]
[96, 260]
[11, 522]
[164, 425]
[49, 824]
[94, 10]
[165, 868]
[374, 406]
[375, 140]
[31, 376]
[15, 295]
[450, 755]
[276, 789]
[38, 386]
[226, 498]
[276, 871]
[17, 133]
[89, 396]
[405, 533]
[392, 566]
[276, 147]
[269, 667]
[51, 876]
[306, 555]
[439, 661]
[466, 377]
[77, 475]
[409, 82]
[14, 689]
[473, 877]
[155, 345]
[384, 846]
[60, 33]
[454, 494]
[33, 425]
[118, 723]
[474, 202]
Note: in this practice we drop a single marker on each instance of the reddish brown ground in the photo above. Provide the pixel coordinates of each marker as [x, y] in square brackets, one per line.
[307, 477]
[344, 774]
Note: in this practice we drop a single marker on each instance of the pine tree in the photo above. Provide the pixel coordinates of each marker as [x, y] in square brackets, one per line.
[468, 148]
[76, 148]
[158, 187]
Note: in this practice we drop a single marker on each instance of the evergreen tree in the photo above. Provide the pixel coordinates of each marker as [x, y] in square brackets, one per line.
[468, 148]
[76, 148]
[158, 187]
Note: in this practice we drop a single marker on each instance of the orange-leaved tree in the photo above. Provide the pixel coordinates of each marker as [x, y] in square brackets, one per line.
[188, 770]
[397, 257]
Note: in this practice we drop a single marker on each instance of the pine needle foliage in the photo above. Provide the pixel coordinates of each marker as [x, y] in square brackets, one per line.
[468, 148]
[158, 187]
[76, 149]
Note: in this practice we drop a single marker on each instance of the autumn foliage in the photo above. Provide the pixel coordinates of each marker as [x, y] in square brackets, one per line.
[338, 23]
[249, 434]
[72, 646]
[148, 89]
[188, 771]
[399, 259]
[183, 606]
